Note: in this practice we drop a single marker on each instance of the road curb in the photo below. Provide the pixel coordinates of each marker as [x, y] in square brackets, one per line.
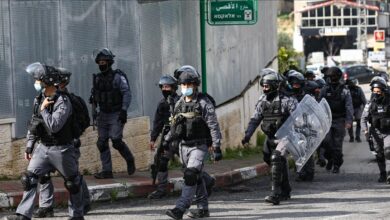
[116, 191]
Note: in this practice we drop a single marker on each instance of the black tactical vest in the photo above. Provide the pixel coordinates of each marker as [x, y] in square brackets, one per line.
[356, 99]
[190, 126]
[380, 115]
[108, 98]
[336, 101]
[38, 128]
[273, 117]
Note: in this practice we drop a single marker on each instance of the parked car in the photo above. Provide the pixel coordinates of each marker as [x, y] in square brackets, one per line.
[363, 73]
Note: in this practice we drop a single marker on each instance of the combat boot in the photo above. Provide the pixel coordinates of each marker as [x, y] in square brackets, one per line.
[351, 139]
[336, 169]
[175, 213]
[382, 177]
[104, 175]
[329, 165]
[358, 139]
[130, 167]
[321, 162]
[273, 198]
[44, 212]
[158, 194]
[199, 213]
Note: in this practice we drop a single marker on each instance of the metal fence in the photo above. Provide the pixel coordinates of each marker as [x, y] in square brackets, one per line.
[148, 38]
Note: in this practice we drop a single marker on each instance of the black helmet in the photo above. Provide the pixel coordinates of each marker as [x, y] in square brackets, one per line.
[295, 77]
[351, 81]
[378, 82]
[324, 69]
[321, 82]
[188, 74]
[267, 71]
[311, 86]
[64, 75]
[272, 80]
[334, 74]
[47, 74]
[309, 74]
[168, 80]
[104, 54]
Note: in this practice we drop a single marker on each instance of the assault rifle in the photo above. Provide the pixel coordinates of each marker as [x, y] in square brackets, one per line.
[93, 103]
[370, 141]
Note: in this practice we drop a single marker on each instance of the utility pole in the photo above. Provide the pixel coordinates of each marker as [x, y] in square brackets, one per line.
[362, 28]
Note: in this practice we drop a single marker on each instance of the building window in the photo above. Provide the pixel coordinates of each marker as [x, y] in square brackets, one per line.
[354, 21]
[347, 21]
[320, 23]
[327, 11]
[327, 22]
[305, 23]
[305, 14]
[371, 12]
[371, 21]
[347, 11]
[320, 12]
[354, 12]
[312, 13]
[312, 23]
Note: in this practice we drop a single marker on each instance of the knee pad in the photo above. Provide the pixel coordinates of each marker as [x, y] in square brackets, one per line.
[163, 164]
[102, 145]
[191, 176]
[72, 184]
[387, 153]
[118, 144]
[29, 180]
[44, 179]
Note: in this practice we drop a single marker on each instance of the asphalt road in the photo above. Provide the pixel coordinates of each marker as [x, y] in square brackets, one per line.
[352, 194]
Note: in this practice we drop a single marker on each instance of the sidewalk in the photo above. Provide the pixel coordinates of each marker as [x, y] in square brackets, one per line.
[226, 172]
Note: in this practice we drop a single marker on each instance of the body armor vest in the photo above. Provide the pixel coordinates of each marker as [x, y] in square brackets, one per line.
[273, 117]
[336, 102]
[38, 128]
[189, 125]
[105, 95]
[380, 115]
[356, 99]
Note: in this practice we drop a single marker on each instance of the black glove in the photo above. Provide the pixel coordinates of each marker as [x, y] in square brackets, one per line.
[217, 154]
[245, 141]
[123, 116]
[29, 150]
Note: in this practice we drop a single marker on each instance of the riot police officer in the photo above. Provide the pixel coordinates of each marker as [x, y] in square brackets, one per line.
[377, 113]
[272, 109]
[358, 102]
[111, 92]
[340, 102]
[46, 191]
[309, 75]
[296, 85]
[51, 127]
[195, 125]
[168, 86]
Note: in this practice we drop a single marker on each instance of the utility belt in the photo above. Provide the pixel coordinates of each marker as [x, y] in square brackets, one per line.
[110, 109]
[196, 142]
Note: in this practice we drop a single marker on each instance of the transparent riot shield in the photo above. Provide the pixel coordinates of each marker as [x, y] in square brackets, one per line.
[304, 130]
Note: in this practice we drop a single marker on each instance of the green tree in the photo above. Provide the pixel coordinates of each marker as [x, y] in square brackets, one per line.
[284, 40]
[287, 59]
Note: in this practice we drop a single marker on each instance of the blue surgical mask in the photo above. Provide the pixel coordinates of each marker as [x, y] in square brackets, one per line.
[38, 87]
[187, 91]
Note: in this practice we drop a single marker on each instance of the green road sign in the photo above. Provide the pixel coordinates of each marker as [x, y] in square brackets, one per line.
[231, 12]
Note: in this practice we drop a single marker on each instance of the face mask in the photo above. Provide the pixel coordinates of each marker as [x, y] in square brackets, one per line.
[103, 68]
[38, 87]
[376, 96]
[187, 92]
[166, 93]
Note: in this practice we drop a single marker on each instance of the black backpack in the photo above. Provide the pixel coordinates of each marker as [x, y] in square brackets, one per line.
[80, 115]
